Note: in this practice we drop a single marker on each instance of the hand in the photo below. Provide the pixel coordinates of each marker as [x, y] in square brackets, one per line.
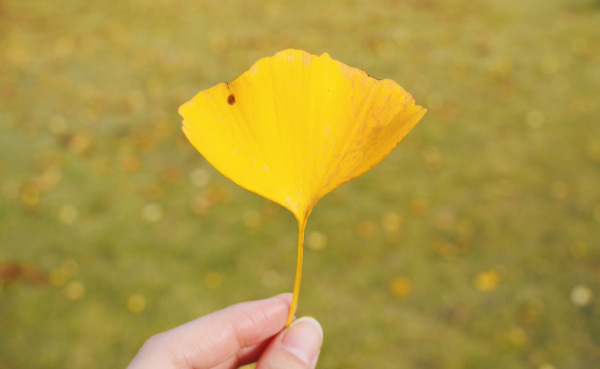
[237, 335]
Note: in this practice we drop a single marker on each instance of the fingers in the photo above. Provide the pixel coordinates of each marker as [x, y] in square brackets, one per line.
[234, 335]
[297, 347]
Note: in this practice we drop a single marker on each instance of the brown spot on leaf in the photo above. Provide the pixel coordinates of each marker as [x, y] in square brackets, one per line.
[231, 99]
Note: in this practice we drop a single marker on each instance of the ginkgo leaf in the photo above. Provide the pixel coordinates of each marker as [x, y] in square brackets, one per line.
[296, 126]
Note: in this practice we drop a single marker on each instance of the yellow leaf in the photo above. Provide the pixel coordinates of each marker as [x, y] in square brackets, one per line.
[296, 126]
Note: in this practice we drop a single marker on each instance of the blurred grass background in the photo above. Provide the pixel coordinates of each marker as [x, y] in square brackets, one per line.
[475, 244]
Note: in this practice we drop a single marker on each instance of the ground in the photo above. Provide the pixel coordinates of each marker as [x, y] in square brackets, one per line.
[474, 244]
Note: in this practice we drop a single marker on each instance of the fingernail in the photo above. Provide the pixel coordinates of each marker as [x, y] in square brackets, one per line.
[303, 339]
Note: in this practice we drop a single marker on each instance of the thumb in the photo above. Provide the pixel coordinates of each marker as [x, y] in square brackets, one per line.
[297, 347]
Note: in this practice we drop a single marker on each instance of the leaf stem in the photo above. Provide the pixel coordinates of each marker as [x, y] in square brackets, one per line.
[301, 226]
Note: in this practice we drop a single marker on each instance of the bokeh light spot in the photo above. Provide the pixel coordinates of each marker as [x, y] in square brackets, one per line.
[136, 303]
[68, 214]
[316, 240]
[517, 336]
[535, 119]
[172, 174]
[400, 287]
[199, 177]
[80, 143]
[391, 221]
[30, 195]
[559, 190]
[58, 277]
[152, 213]
[419, 207]
[432, 157]
[487, 281]
[581, 295]
[213, 280]
[200, 205]
[152, 191]
[547, 366]
[366, 229]
[131, 163]
[252, 219]
[75, 290]
[271, 279]
[57, 124]
[63, 47]
[48, 181]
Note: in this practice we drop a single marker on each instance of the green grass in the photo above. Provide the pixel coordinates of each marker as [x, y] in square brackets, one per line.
[501, 176]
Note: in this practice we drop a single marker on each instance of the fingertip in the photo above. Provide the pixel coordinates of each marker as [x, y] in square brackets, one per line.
[304, 339]
[297, 347]
[286, 296]
[281, 302]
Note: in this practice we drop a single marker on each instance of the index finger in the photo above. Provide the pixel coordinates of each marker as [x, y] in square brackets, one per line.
[218, 337]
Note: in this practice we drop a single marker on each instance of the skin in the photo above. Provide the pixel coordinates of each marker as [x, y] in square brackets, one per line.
[237, 335]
